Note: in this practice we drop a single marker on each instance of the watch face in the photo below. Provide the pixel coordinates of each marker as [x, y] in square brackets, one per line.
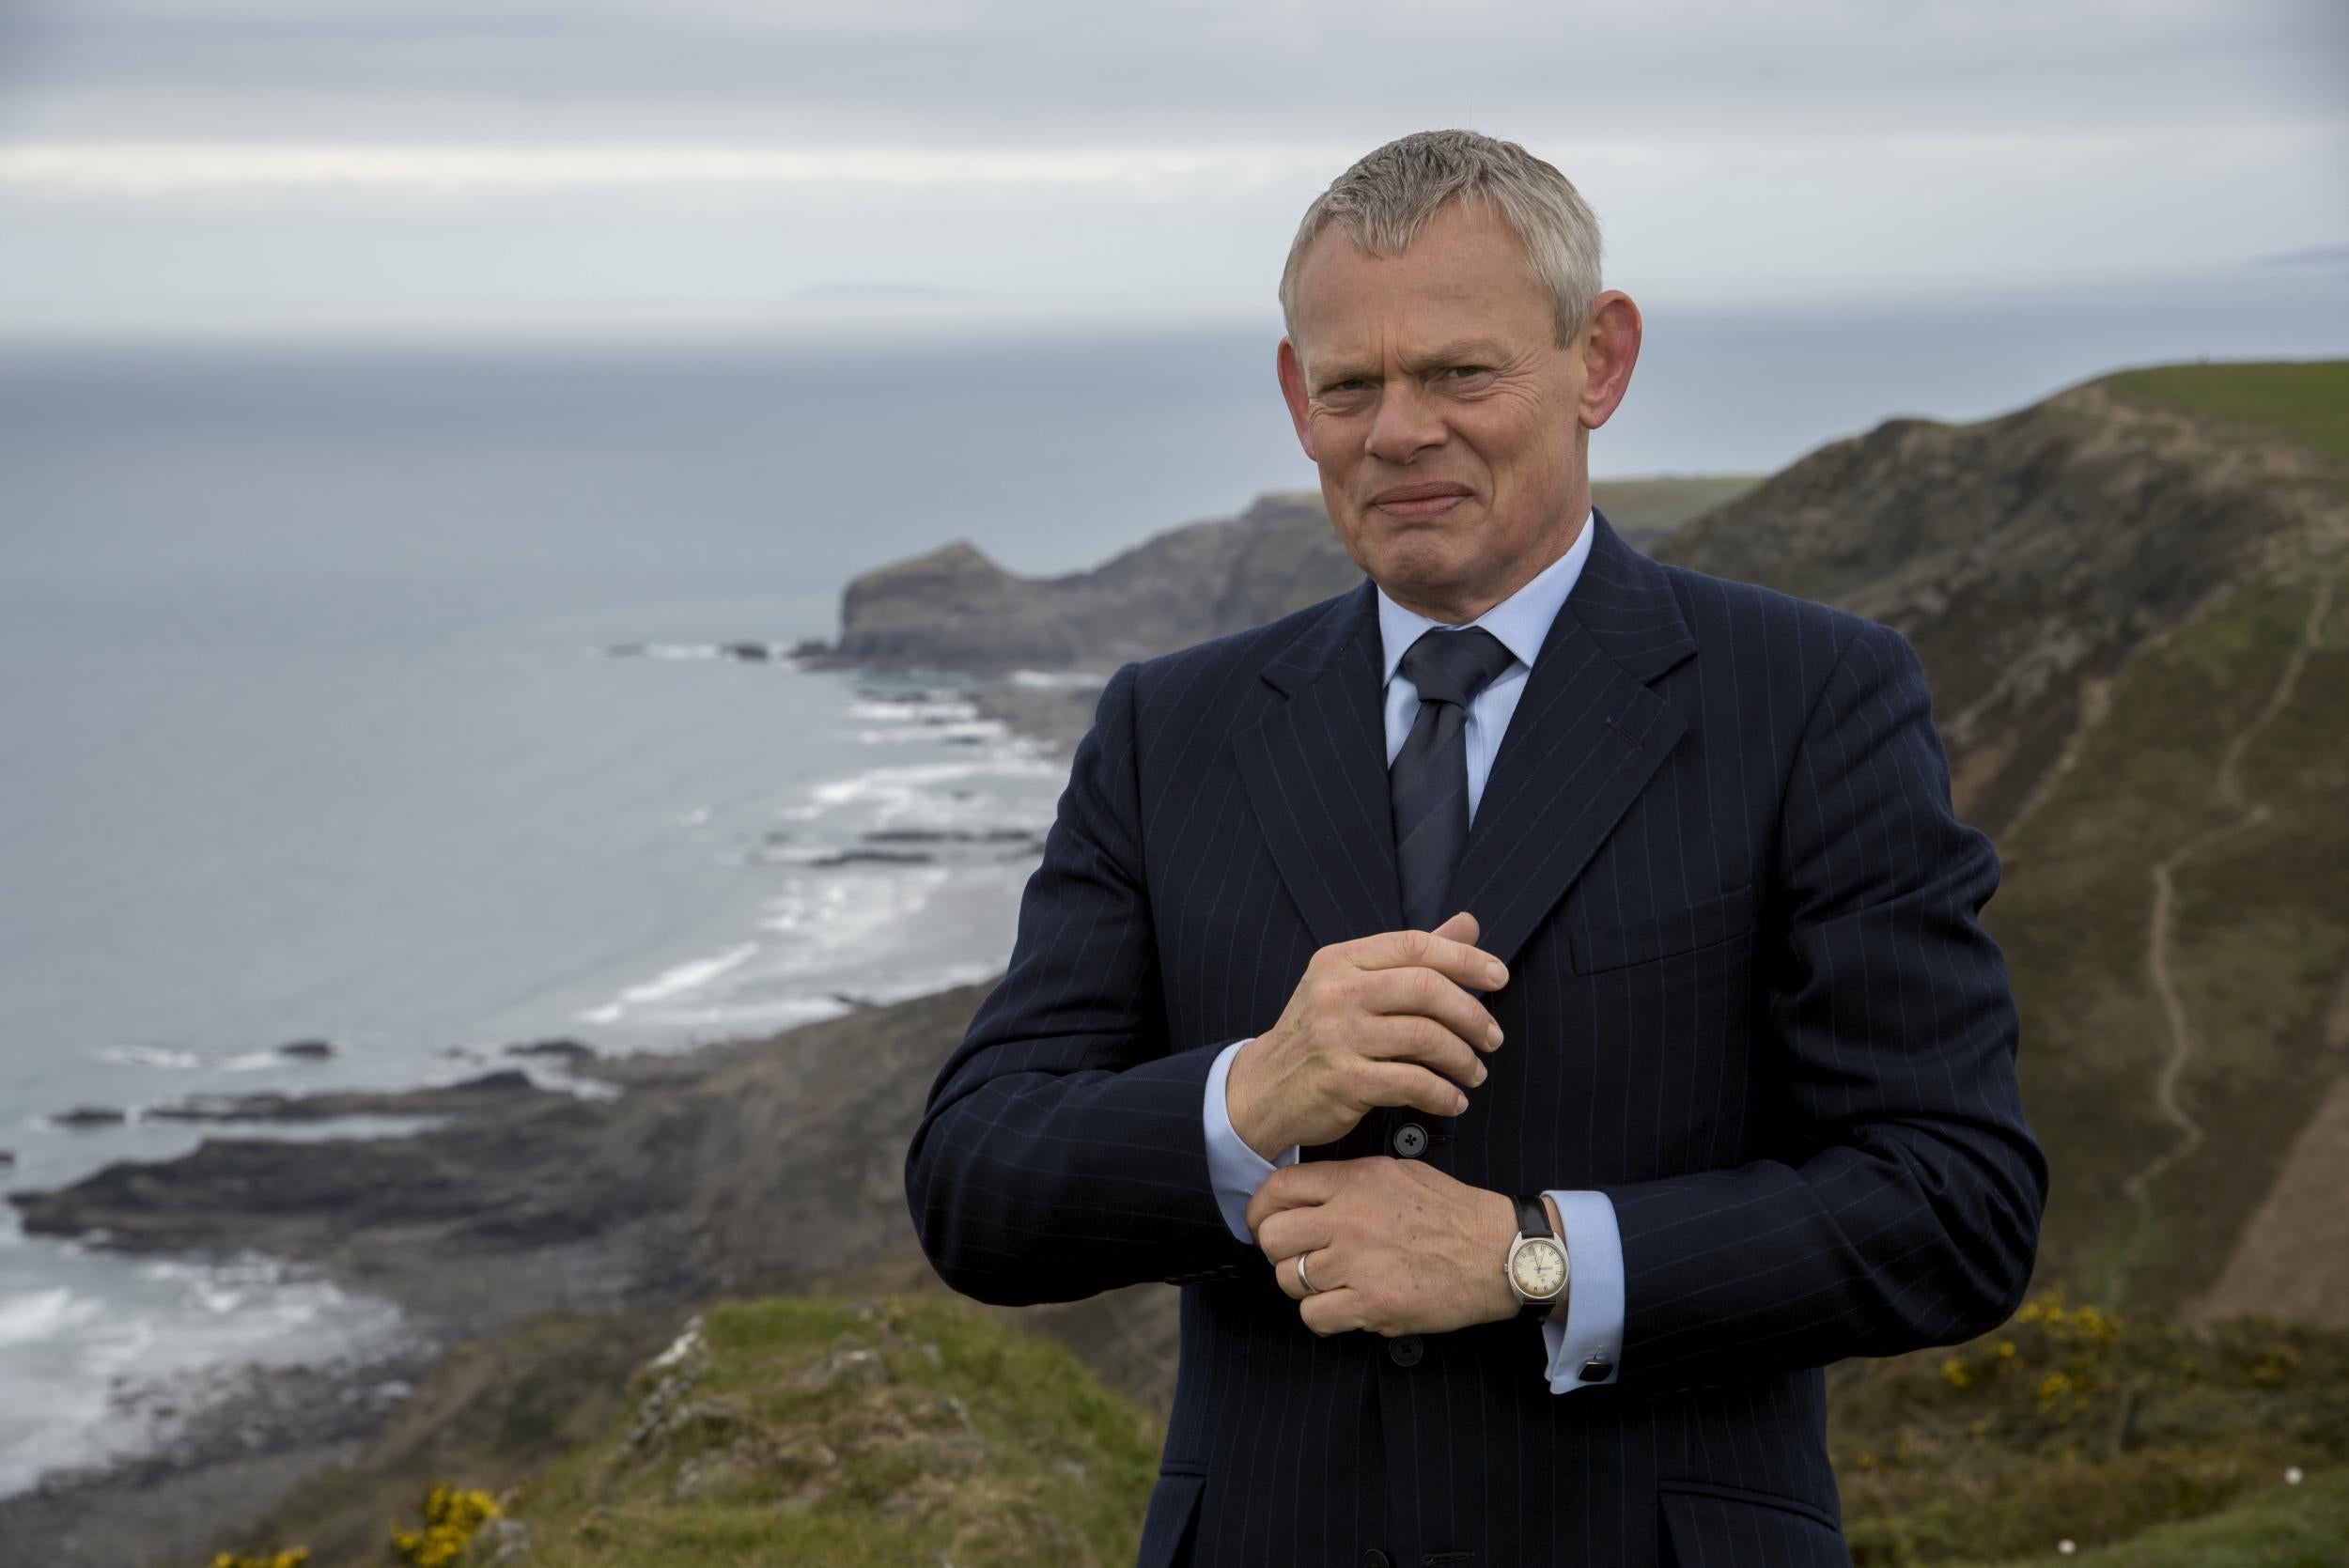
[1539, 1268]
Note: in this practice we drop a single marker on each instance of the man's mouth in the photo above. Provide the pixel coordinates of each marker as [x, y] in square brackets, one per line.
[1417, 501]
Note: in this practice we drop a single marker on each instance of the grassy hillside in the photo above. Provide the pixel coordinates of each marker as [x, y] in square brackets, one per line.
[2072, 1424]
[889, 1432]
[2299, 1528]
[1642, 508]
[921, 1428]
[853, 1433]
[2255, 942]
[2305, 402]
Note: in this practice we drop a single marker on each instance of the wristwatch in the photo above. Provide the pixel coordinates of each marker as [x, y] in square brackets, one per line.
[1537, 1267]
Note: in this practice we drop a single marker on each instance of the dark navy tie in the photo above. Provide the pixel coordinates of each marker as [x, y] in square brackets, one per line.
[1428, 779]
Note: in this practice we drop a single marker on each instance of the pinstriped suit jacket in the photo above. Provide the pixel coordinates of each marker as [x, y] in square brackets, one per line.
[1749, 1000]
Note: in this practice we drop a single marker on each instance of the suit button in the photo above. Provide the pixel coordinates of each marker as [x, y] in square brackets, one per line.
[1410, 1140]
[1374, 1559]
[1405, 1351]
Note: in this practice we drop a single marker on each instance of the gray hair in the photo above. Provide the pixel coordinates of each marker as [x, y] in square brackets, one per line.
[1388, 193]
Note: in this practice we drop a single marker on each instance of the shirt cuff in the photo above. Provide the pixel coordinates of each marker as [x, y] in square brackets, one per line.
[1590, 1339]
[1234, 1169]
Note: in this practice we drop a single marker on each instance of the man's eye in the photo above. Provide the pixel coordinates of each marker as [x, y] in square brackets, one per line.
[1468, 369]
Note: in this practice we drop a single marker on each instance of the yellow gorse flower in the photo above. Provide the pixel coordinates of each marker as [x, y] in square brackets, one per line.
[450, 1518]
[2082, 1323]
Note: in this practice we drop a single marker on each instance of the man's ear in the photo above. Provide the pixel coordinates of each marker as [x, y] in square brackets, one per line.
[1292, 373]
[1610, 346]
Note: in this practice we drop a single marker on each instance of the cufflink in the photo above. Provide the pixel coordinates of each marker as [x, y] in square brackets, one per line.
[1595, 1370]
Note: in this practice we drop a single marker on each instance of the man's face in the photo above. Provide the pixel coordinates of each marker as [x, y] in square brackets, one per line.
[1434, 368]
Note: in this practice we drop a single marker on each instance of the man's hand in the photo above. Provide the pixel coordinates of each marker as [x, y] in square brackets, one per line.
[1385, 1019]
[1394, 1246]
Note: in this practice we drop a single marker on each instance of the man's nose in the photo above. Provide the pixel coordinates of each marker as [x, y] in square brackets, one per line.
[1406, 421]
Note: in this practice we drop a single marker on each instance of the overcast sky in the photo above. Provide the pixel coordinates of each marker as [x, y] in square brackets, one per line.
[233, 165]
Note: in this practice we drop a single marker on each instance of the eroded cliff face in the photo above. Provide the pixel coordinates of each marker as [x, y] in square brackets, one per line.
[2026, 556]
[954, 608]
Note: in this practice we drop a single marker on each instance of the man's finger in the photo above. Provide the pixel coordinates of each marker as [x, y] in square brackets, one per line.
[1431, 1042]
[1322, 1266]
[1397, 1082]
[1469, 965]
[1307, 1182]
[1284, 1235]
[1333, 1311]
[1461, 927]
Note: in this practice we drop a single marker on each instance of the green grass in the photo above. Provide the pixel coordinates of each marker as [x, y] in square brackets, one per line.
[1658, 505]
[2303, 401]
[2070, 1422]
[950, 1437]
[2297, 1527]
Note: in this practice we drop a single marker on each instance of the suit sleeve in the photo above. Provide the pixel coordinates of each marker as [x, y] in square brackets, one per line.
[1906, 1210]
[1062, 1151]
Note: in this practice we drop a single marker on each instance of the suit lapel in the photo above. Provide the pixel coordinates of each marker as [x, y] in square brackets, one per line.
[1586, 737]
[1316, 773]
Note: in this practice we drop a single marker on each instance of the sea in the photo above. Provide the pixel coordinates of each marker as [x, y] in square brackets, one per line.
[402, 694]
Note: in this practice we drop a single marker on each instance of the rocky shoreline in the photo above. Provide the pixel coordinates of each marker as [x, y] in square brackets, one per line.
[249, 1435]
[758, 1164]
[764, 1164]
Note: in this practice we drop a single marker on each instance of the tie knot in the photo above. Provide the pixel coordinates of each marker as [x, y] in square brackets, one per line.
[1452, 666]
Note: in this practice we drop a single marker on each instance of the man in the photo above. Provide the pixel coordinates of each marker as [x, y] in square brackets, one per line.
[1532, 1002]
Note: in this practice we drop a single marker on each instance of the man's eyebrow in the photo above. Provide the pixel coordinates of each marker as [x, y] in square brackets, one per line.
[1476, 349]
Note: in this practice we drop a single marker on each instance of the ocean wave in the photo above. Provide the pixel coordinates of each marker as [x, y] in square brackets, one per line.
[778, 652]
[972, 729]
[922, 791]
[925, 709]
[42, 1315]
[154, 1056]
[674, 981]
[97, 1376]
[1054, 679]
[249, 1062]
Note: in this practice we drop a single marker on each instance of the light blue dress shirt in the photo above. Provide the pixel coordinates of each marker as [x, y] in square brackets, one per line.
[1593, 1325]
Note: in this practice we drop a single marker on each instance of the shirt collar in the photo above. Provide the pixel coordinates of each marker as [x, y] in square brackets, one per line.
[1521, 621]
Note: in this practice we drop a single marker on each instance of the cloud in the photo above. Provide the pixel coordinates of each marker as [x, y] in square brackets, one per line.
[144, 168]
[218, 159]
[1245, 70]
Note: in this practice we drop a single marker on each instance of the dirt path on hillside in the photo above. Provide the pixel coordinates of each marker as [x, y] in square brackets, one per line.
[2230, 791]
[2292, 1258]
